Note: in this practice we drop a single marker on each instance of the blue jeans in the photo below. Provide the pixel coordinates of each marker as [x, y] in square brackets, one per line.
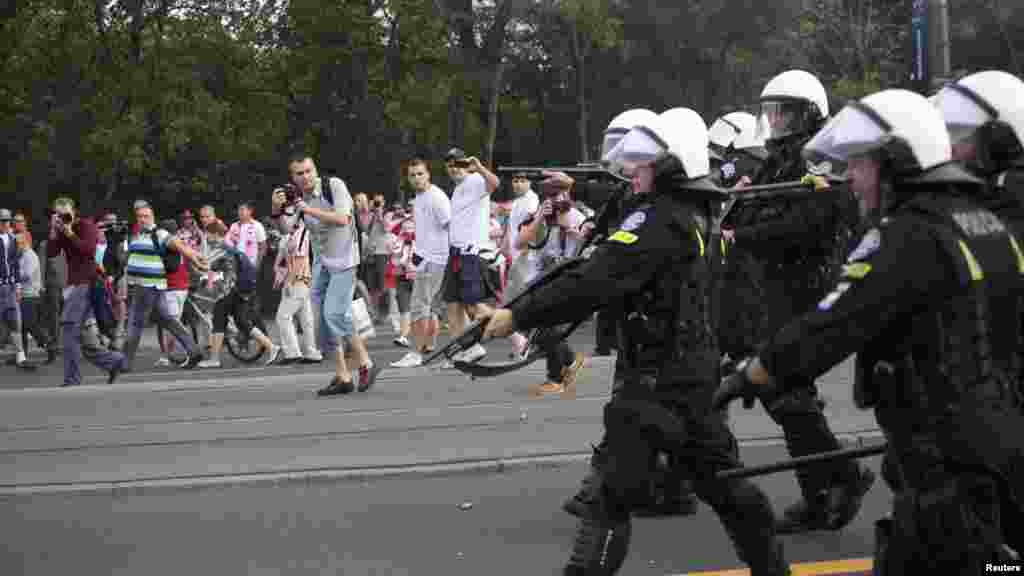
[333, 292]
[141, 302]
[77, 308]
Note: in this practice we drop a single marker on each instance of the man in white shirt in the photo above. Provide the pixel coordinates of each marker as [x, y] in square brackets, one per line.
[468, 232]
[432, 214]
[248, 235]
[523, 264]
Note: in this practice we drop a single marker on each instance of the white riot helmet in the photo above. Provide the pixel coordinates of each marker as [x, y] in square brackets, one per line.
[901, 123]
[990, 106]
[622, 124]
[677, 139]
[735, 129]
[793, 102]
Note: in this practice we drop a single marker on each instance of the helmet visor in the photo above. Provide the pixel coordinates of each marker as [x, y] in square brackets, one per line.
[723, 133]
[781, 118]
[611, 137]
[962, 115]
[850, 133]
[636, 148]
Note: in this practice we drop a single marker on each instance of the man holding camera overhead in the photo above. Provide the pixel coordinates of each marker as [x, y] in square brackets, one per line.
[468, 232]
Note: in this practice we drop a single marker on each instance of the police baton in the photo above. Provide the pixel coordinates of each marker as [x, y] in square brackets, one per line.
[802, 462]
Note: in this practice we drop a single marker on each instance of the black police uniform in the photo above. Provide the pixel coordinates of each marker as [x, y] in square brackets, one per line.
[654, 270]
[669, 495]
[1004, 196]
[615, 201]
[796, 257]
[928, 301]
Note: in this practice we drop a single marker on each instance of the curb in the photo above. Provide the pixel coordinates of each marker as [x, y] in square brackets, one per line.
[314, 475]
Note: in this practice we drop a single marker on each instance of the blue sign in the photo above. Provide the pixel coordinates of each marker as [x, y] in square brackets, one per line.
[919, 41]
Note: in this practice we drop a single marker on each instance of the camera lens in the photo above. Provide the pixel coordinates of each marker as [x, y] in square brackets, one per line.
[66, 218]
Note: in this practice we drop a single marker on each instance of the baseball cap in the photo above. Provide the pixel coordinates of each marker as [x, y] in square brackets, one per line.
[5, 215]
[454, 154]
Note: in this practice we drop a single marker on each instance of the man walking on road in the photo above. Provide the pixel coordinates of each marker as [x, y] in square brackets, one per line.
[76, 238]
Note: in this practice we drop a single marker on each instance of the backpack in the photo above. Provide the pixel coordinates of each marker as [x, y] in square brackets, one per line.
[114, 259]
[170, 258]
[248, 275]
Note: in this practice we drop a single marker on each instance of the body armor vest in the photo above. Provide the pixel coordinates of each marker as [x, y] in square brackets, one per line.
[967, 347]
[666, 337]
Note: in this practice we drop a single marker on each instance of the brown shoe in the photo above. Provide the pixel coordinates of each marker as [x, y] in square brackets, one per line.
[570, 374]
[539, 391]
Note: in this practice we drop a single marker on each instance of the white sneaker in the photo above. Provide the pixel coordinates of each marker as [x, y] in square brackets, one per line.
[473, 354]
[410, 360]
[19, 357]
[401, 341]
[162, 361]
[210, 363]
[274, 355]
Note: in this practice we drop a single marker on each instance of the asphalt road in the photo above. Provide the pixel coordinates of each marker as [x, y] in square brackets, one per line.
[102, 479]
[408, 525]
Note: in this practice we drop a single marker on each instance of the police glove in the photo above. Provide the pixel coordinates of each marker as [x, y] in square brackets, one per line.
[733, 386]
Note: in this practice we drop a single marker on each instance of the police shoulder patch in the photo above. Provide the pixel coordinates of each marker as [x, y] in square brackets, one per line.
[728, 170]
[634, 221]
[869, 244]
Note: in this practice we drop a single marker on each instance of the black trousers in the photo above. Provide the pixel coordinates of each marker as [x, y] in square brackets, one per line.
[32, 323]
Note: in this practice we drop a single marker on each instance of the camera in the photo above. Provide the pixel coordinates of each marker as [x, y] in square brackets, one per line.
[66, 218]
[113, 228]
[292, 194]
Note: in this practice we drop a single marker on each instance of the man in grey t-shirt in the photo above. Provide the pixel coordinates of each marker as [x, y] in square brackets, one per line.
[326, 207]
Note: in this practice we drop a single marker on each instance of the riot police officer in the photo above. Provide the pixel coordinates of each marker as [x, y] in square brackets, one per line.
[984, 113]
[667, 497]
[929, 301]
[736, 140]
[795, 258]
[653, 269]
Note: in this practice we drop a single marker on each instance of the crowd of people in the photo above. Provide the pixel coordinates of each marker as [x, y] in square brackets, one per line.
[419, 265]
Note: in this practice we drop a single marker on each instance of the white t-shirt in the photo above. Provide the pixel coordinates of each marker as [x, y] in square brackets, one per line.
[471, 215]
[247, 239]
[432, 213]
[522, 208]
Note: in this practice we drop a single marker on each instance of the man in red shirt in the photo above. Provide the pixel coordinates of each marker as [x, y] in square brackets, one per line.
[76, 238]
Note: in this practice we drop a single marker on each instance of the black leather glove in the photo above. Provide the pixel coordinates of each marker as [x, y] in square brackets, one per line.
[733, 386]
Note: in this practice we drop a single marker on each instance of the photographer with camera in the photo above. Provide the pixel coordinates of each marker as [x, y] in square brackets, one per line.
[328, 211]
[549, 236]
[76, 237]
[469, 231]
[112, 257]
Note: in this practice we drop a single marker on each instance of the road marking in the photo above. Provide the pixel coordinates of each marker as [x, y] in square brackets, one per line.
[849, 567]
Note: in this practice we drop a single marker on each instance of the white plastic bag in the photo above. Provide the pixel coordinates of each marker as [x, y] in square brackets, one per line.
[361, 321]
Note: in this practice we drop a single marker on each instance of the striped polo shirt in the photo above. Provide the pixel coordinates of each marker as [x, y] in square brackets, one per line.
[145, 267]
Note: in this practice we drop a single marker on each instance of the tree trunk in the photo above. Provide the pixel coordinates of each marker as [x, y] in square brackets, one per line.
[579, 63]
[495, 79]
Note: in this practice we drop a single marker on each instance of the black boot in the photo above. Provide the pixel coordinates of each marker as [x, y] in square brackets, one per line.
[589, 491]
[600, 546]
